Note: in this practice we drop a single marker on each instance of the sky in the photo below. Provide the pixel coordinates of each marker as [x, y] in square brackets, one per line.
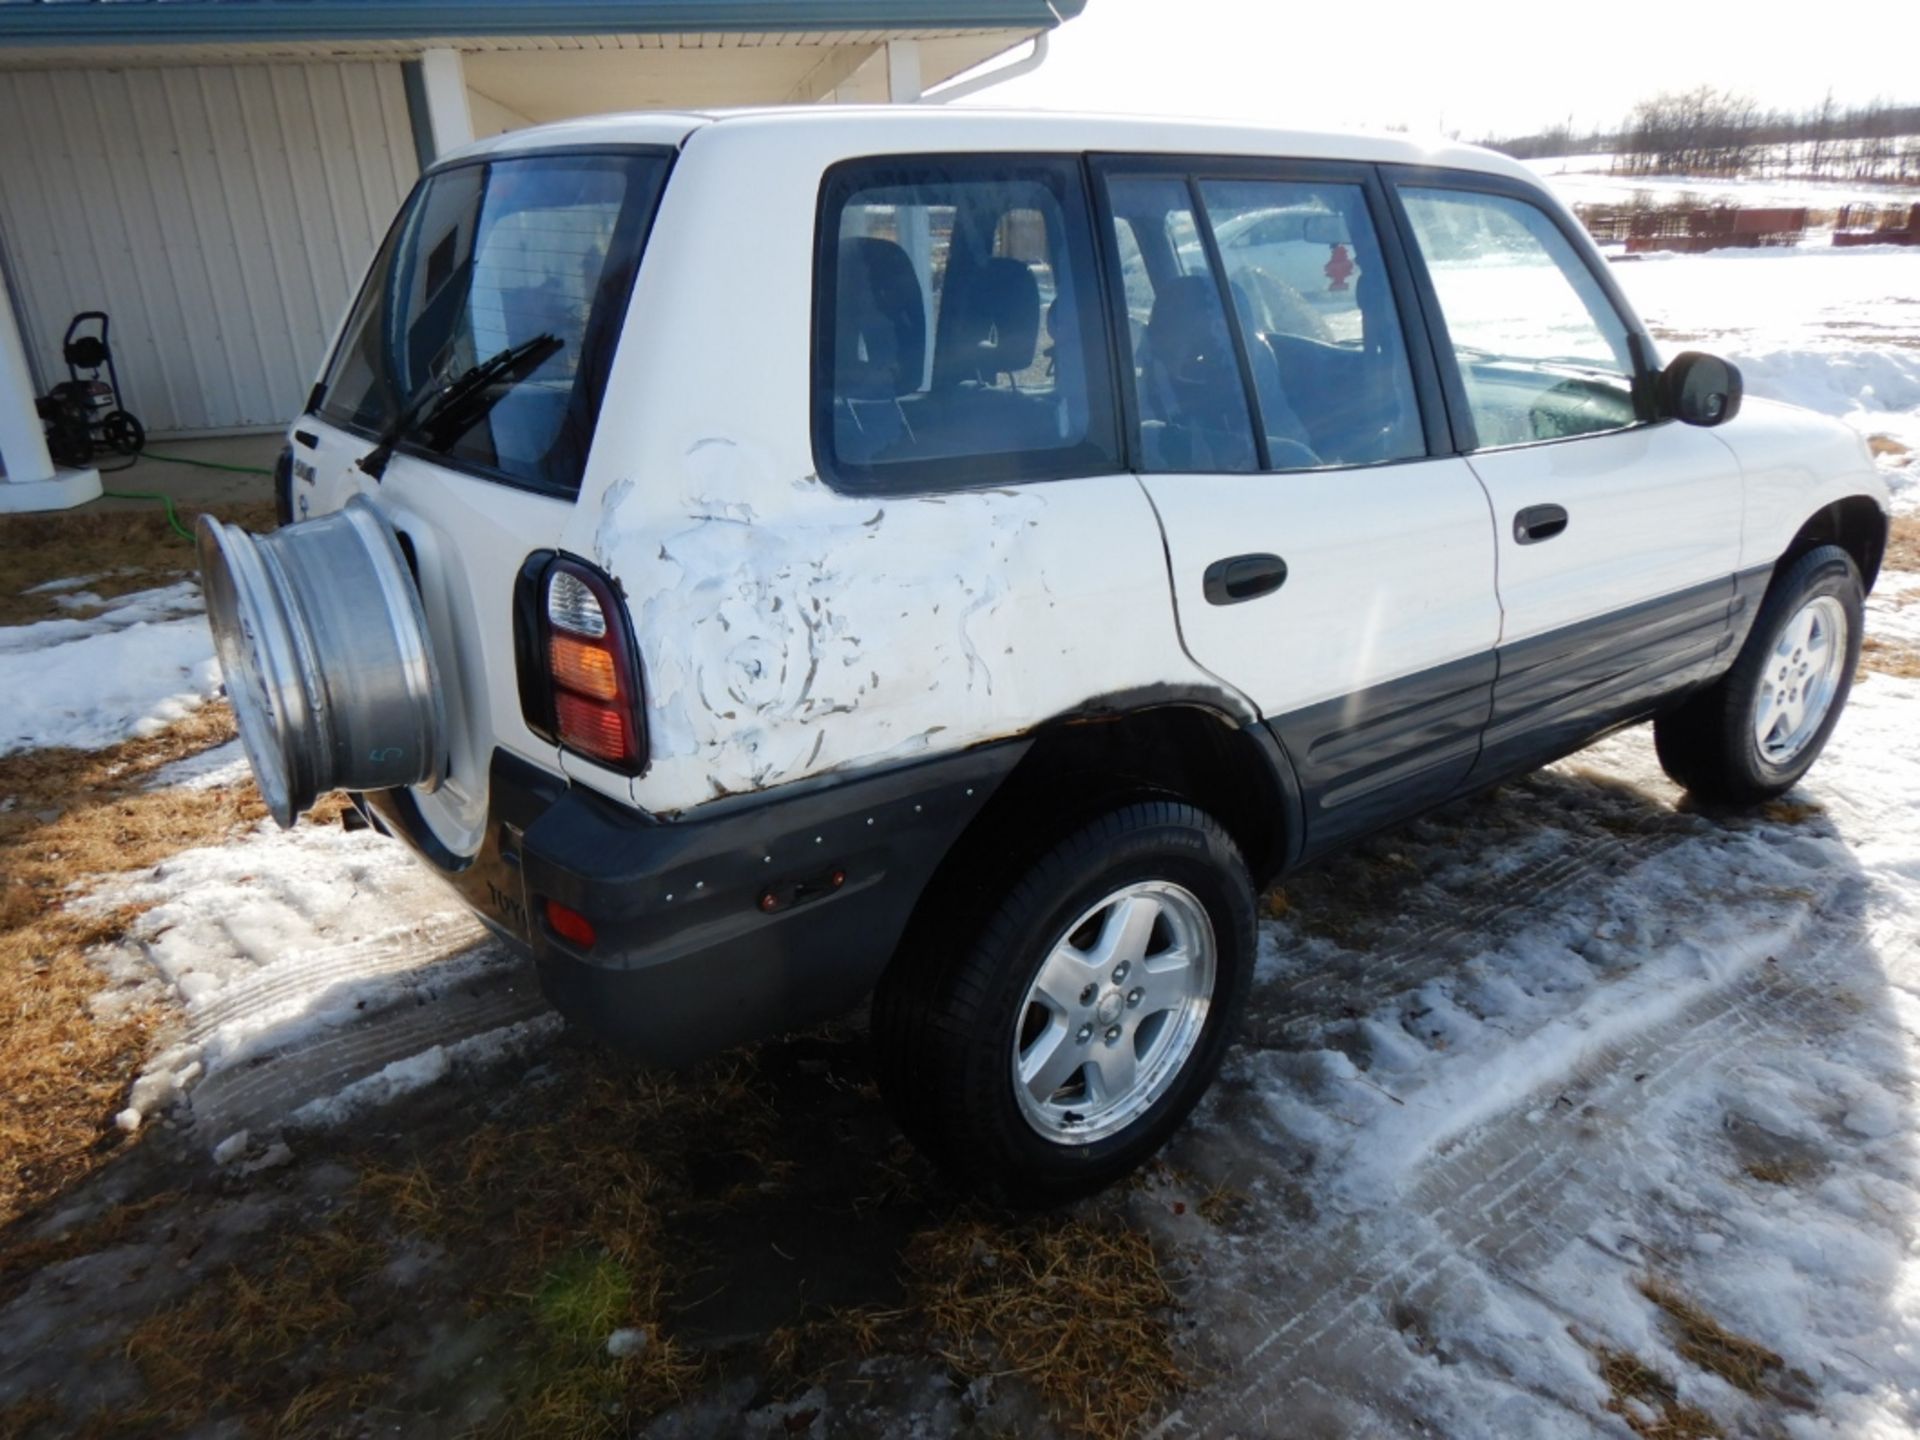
[1477, 67]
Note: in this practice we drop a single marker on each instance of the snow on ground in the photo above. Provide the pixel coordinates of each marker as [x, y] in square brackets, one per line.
[144, 661]
[1585, 180]
[1837, 331]
[1600, 1040]
[318, 970]
[209, 770]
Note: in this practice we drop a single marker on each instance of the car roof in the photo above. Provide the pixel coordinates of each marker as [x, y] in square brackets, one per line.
[897, 127]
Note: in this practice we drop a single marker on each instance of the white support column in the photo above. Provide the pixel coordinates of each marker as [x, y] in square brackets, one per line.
[443, 75]
[30, 481]
[903, 71]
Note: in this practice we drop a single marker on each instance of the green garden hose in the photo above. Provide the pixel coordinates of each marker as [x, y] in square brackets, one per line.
[206, 464]
[173, 517]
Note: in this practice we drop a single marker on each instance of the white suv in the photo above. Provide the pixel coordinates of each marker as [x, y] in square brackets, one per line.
[767, 558]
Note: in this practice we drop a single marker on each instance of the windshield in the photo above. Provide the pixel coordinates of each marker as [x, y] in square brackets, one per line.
[486, 258]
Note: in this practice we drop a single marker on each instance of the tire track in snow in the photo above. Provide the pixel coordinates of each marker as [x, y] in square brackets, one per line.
[268, 1090]
[393, 951]
[1287, 1014]
[1340, 1315]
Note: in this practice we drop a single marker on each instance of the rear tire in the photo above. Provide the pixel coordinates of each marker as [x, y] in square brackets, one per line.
[1756, 731]
[1110, 971]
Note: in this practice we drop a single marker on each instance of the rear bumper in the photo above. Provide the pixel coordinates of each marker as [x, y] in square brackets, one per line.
[718, 929]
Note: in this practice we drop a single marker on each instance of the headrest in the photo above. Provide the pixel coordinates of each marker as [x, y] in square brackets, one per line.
[1187, 332]
[880, 326]
[990, 324]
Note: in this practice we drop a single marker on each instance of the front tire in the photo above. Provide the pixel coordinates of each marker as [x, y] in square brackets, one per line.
[1756, 731]
[1063, 1038]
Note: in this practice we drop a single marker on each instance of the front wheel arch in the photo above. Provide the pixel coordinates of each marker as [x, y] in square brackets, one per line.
[1856, 524]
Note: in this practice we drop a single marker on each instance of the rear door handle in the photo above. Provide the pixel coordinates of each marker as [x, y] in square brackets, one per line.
[1243, 577]
[1539, 522]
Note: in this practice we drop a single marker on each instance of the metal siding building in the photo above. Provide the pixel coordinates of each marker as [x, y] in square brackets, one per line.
[215, 174]
[221, 214]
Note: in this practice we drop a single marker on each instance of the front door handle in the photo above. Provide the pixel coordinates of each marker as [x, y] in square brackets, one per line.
[1243, 577]
[1539, 522]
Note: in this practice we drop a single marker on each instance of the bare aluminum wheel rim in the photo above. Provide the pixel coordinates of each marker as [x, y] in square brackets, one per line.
[1800, 679]
[322, 640]
[1114, 1012]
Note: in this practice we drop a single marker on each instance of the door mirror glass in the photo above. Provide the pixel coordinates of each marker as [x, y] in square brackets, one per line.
[1700, 389]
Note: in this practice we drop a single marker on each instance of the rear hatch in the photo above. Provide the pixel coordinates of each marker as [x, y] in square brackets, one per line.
[461, 400]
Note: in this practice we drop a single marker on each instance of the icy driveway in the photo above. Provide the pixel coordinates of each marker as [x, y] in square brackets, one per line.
[1591, 1040]
[1502, 1067]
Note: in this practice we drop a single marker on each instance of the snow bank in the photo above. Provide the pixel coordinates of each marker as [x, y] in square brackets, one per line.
[144, 662]
[1830, 329]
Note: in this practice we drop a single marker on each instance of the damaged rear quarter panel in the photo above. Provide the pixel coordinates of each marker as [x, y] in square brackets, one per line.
[786, 629]
[821, 632]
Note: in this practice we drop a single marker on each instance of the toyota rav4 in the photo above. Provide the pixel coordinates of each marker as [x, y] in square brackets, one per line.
[769, 559]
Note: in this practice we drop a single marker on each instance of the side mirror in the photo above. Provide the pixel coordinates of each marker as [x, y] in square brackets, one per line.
[1700, 389]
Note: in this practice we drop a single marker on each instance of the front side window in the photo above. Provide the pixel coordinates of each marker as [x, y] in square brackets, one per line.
[484, 334]
[1541, 351]
[1329, 362]
[960, 336]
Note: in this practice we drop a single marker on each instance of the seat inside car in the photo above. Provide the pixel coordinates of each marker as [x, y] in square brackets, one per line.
[988, 334]
[989, 323]
[880, 346]
[1352, 400]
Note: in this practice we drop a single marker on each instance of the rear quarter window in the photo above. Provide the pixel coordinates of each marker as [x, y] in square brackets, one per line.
[487, 256]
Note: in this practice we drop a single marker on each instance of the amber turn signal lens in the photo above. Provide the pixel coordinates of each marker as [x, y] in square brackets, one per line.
[583, 667]
[570, 925]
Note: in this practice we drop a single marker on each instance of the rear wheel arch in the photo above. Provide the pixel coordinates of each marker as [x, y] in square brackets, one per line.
[1198, 751]
[1234, 770]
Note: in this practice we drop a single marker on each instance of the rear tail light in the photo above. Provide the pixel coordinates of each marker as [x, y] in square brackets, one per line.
[591, 701]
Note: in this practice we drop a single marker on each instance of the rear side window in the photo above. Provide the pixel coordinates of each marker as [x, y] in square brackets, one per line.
[959, 339]
[1541, 350]
[1188, 384]
[490, 317]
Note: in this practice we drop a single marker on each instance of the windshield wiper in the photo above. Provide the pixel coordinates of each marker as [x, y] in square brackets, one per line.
[433, 402]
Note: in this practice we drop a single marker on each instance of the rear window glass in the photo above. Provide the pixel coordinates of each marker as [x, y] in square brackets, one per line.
[960, 336]
[488, 323]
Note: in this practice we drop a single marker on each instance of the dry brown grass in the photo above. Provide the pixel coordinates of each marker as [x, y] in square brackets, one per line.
[556, 1214]
[1903, 543]
[127, 549]
[1647, 1401]
[1078, 1307]
[1778, 1172]
[1791, 812]
[71, 814]
[803, 1355]
[1704, 1342]
[205, 1354]
[63, 1070]
[1890, 657]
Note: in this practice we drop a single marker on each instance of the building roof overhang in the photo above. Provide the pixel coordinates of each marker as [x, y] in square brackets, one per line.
[62, 23]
